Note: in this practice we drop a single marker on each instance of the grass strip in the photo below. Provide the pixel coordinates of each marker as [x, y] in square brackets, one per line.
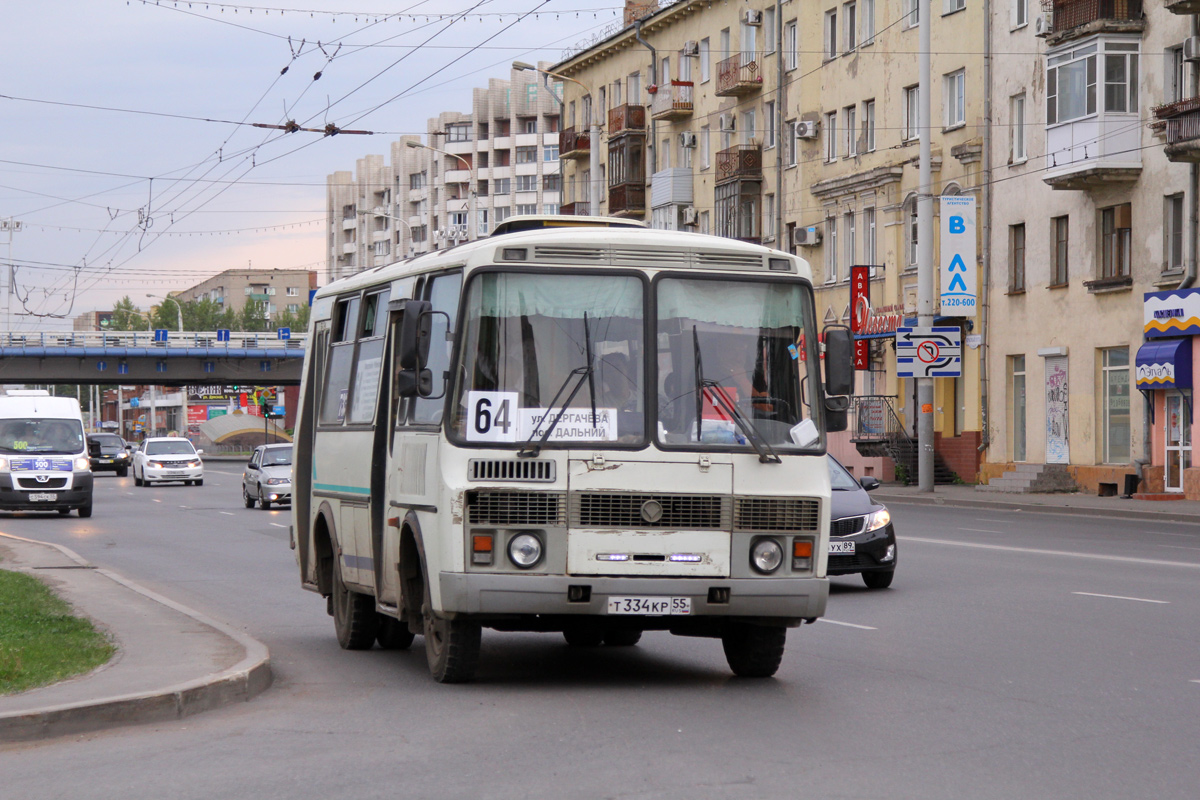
[41, 641]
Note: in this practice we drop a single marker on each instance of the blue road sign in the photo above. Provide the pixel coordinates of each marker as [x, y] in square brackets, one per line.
[122, 368]
[161, 334]
[222, 335]
[102, 365]
[284, 333]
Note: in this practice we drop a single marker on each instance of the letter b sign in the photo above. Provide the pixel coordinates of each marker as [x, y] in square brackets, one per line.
[957, 225]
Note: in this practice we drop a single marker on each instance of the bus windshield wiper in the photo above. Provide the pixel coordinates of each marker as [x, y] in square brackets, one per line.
[530, 450]
[766, 453]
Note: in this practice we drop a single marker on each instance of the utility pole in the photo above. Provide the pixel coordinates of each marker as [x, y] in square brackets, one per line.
[10, 226]
[925, 248]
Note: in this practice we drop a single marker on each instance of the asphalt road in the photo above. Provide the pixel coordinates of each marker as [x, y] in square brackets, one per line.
[1017, 655]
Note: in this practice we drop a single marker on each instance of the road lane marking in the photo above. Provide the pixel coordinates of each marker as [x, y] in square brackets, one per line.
[227, 513]
[979, 530]
[1178, 547]
[848, 624]
[1035, 551]
[1119, 597]
[157, 500]
[277, 525]
[1001, 521]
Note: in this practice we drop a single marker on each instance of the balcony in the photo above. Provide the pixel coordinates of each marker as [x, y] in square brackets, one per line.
[627, 200]
[573, 144]
[1074, 19]
[738, 75]
[626, 119]
[1094, 152]
[742, 161]
[576, 209]
[673, 101]
[1180, 122]
[1182, 6]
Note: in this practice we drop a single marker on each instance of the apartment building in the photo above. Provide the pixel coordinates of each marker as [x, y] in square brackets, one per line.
[472, 171]
[1093, 198]
[279, 290]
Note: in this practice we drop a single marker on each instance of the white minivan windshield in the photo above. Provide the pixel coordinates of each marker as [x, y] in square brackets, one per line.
[43, 435]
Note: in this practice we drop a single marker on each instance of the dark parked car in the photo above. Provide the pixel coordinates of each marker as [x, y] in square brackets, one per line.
[107, 453]
[861, 538]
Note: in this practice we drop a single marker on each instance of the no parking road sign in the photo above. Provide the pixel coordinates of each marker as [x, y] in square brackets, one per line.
[928, 352]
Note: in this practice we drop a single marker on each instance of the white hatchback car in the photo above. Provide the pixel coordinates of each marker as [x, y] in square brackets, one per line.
[167, 458]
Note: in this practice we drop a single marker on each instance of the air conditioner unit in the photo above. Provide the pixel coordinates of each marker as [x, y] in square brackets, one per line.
[1191, 48]
[690, 215]
[806, 129]
[691, 48]
[806, 237]
[1043, 25]
[687, 139]
[753, 17]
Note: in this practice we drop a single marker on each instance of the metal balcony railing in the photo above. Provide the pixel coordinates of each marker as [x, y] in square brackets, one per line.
[626, 118]
[574, 143]
[740, 161]
[672, 101]
[627, 198]
[1070, 14]
[738, 75]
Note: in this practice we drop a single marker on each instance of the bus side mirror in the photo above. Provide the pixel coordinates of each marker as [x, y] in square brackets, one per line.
[412, 350]
[839, 376]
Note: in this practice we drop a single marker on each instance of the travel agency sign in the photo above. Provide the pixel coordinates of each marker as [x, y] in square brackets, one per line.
[958, 273]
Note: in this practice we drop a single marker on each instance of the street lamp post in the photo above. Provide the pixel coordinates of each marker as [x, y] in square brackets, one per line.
[470, 182]
[178, 308]
[378, 211]
[593, 136]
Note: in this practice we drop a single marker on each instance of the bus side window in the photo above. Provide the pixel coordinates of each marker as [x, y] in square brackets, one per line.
[442, 292]
[338, 367]
[369, 362]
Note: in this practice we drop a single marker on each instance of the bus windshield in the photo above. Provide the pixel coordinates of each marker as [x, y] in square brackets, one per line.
[554, 356]
[731, 360]
[40, 435]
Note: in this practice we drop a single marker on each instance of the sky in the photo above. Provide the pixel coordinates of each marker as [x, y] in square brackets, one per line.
[128, 151]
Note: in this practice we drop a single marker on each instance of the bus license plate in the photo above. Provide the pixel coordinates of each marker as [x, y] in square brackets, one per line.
[650, 606]
[43, 497]
[841, 548]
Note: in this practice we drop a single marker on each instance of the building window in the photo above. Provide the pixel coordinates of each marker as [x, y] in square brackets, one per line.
[527, 183]
[293, 308]
[502, 213]
[1116, 238]
[550, 152]
[1120, 77]
[704, 222]
[869, 125]
[1020, 13]
[868, 235]
[749, 127]
[458, 132]
[849, 235]
[527, 155]
[551, 182]
[501, 185]
[867, 22]
[912, 13]
[912, 114]
[831, 249]
[417, 180]
[550, 208]
[910, 231]
[529, 125]
[1071, 85]
[769, 127]
[768, 28]
[728, 123]
[1017, 152]
[831, 37]
[792, 144]
[1016, 366]
[769, 217]
[1016, 258]
[950, 6]
[791, 46]
[1060, 256]
[293, 291]
[1175, 76]
[1173, 233]
[1114, 432]
[851, 124]
[954, 96]
[526, 208]
[704, 149]
[850, 23]
[704, 59]
[831, 148]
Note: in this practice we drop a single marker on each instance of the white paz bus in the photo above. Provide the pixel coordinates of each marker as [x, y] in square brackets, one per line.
[576, 425]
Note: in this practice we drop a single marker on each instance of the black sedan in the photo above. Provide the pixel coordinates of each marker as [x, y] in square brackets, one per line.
[107, 451]
[861, 538]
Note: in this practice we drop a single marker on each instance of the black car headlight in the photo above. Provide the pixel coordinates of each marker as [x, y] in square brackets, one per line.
[878, 519]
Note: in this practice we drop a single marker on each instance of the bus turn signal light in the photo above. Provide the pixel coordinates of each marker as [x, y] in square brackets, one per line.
[481, 549]
[802, 554]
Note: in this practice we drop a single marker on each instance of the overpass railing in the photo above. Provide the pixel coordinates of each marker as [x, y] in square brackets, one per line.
[173, 339]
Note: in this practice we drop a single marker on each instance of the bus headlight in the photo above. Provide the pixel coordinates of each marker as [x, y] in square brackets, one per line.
[766, 555]
[525, 550]
[3, 463]
[83, 463]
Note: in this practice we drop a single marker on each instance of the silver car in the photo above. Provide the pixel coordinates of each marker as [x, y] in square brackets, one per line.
[268, 476]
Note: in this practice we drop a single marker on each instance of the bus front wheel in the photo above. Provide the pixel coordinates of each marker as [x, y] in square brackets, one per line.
[754, 651]
[354, 617]
[451, 645]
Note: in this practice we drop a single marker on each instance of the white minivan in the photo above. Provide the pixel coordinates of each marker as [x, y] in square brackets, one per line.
[44, 464]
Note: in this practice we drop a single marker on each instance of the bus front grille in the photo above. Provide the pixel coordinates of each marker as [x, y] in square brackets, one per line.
[634, 510]
[776, 514]
[500, 469]
[516, 508]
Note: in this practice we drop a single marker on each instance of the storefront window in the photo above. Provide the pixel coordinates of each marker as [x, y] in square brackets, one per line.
[1115, 383]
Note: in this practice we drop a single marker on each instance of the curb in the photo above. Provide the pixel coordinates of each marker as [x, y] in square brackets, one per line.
[1038, 508]
[238, 683]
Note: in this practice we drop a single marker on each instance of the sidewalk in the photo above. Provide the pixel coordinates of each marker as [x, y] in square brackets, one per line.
[1073, 503]
[171, 661]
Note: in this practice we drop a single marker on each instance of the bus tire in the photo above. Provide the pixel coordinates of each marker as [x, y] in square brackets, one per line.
[354, 617]
[451, 645]
[620, 638]
[754, 651]
[394, 634]
[86, 511]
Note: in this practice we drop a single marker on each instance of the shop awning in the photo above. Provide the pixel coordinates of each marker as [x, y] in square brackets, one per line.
[1165, 364]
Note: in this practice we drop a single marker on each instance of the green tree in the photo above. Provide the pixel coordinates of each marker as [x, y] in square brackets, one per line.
[253, 318]
[126, 316]
[297, 321]
[206, 315]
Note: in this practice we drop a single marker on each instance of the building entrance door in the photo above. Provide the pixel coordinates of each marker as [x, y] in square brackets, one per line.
[1177, 422]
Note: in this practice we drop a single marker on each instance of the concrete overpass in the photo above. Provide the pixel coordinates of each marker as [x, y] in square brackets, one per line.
[160, 357]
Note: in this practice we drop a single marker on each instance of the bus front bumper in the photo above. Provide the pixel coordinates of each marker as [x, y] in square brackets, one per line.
[790, 600]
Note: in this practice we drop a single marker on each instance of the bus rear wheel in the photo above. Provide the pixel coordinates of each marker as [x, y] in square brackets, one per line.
[754, 651]
[451, 645]
[354, 617]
